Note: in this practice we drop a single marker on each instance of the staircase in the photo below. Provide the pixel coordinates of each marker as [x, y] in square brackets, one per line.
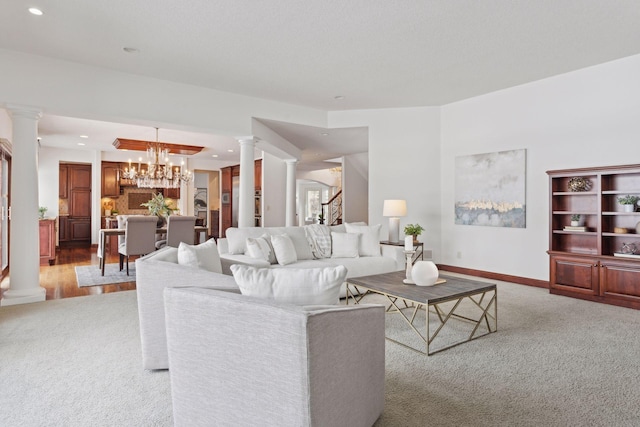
[332, 210]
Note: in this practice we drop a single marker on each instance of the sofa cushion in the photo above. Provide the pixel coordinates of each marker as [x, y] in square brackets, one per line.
[204, 256]
[344, 245]
[369, 244]
[284, 249]
[237, 238]
[261, 248]
[300, 286]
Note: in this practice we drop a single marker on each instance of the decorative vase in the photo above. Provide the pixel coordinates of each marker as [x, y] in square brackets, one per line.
[629, 208]
[161, 221]
[575, 223]
[424, 273]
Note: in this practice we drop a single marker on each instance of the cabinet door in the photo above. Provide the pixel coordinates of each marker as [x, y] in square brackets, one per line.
[110, 179]
[79, 177]
[574, 274]
[47, 242]
[620, 280]
[63, 182]
[80, 229]
[80, 203]
[63, 230]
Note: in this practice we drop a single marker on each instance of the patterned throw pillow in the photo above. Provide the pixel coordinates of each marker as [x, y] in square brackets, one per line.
[260, 248]
[319, 238]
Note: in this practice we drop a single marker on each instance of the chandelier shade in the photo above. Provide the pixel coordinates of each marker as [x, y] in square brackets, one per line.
[160, 172]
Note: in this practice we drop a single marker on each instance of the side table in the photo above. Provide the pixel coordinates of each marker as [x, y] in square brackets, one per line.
[419, 248]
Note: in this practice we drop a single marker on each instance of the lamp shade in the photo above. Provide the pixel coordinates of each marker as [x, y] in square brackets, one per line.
[394, 208]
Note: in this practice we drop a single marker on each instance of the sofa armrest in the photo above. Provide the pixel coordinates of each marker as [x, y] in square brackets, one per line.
[396, 253]
[152, 277]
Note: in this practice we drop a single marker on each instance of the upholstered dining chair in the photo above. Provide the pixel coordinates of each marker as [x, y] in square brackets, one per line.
[179, 229]
[139, 237]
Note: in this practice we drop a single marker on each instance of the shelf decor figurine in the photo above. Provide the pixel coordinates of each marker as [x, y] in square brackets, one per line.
[579, 183]
[628, 202]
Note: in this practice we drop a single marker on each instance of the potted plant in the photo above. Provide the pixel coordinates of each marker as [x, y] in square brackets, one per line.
[628, 202]
[42, 210]
[321, 218]
[413, 230]
[575, 220]
[158, 206]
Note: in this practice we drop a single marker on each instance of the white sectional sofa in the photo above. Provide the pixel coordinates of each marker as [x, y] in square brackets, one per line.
[161, 269]
[233, 250]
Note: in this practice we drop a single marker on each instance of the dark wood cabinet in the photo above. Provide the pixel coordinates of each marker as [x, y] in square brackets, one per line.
[47, 241]
[226, 186]
[63, 229]
[110, 179]
[76, 229]
[170, 193]
[63, 182]
[599, 259]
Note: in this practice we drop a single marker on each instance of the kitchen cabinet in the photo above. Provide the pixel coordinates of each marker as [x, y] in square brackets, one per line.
[110, 179]
[47, 241]
[63, 182]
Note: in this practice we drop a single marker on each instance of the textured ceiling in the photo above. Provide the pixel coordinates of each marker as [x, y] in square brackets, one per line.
[374, 53]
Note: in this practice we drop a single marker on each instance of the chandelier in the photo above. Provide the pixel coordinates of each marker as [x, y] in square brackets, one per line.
[160, 173]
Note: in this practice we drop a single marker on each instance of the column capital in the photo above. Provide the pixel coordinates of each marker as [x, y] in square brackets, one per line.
[243, 140]
[26, 111]
[291, 161]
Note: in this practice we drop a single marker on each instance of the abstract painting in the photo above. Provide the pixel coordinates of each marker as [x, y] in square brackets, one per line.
[490, 189]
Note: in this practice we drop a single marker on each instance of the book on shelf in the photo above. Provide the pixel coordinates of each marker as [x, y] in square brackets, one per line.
[574, 228]
[620, 254]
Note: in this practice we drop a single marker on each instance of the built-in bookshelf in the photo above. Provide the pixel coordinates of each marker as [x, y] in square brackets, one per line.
[599, 259]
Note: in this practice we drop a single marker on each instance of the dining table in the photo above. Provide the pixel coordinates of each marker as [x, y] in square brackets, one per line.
[106, 232]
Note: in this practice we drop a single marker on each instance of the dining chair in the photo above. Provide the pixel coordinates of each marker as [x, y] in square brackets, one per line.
[179, 229]
[139, 237]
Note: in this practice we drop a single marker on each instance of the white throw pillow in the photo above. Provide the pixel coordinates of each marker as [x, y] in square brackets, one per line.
[369, 238]
[300, 286]
[284, 249]
[260, 248]
[204, 256]
[344, 245]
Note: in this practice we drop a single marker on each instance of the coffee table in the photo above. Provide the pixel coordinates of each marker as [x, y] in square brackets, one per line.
[411, 298]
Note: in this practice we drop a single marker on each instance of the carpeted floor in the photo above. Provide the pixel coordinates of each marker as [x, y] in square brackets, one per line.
[91, 275]
[554, 361]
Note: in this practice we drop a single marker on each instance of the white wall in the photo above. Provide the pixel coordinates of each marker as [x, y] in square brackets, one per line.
[6, 125]
[590, 117]
[274, 179]
[75, 90]
[404, 163]
[355, 191]
[49, 173]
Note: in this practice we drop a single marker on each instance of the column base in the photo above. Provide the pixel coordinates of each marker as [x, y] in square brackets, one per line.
[14, 297]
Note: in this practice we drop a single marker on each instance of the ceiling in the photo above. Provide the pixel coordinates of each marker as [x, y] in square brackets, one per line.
[329, 55]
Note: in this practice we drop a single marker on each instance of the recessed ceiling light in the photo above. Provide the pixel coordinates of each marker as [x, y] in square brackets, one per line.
[338, 97]
[81, 143]
[130, 49]
[214, 155]
[231, 151]
[35, 11]
[324, 134]
[84, 136]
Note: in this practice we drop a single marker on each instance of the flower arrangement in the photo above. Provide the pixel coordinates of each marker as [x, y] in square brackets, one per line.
[158, 206]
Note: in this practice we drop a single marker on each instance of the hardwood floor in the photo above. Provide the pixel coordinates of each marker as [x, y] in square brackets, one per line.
[59, 279]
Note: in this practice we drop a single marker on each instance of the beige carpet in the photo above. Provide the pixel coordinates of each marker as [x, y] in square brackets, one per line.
[554, 361]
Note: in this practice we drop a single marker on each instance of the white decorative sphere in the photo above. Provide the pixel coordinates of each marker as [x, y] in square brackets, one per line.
[424, 273]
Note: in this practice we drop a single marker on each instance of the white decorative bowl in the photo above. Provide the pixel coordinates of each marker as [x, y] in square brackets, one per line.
[424, 273]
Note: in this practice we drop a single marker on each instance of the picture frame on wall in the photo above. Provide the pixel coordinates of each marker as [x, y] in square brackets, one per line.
[225, 198]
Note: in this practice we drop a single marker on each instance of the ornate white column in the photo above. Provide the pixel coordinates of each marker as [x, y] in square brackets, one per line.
[24, 264]
[246, 208]
[290, 202]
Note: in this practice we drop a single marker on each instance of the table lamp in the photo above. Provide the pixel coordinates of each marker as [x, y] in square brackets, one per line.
[394, 209]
